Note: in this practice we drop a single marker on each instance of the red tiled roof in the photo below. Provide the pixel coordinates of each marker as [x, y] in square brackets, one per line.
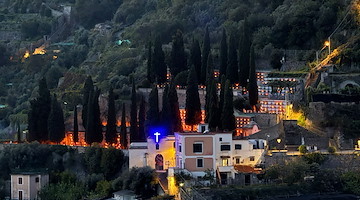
[246, 169]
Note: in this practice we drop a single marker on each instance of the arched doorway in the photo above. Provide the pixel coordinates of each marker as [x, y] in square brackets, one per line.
[159, 162]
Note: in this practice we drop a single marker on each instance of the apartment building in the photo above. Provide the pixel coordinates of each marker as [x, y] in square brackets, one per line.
[27, 185]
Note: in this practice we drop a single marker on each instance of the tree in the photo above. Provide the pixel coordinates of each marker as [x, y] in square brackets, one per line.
[19, 138]
[221, 98]
[93, 125]
[195, 57]
[205, 55]
[176, 125]
[213, 113]
[158, 62]
[244, 55]
[88, 88]
[123, 132]
[232, 67]
[150, 67]
[193, 106]
[178, 57]
[253, 87]
[56, 124]
[110, 134]
[134, 133]
[209, 79]
[39, 114]
[152, 115]
[227, 117]
[141, 116]
[223, 53]
[76, 126]
[165, 117]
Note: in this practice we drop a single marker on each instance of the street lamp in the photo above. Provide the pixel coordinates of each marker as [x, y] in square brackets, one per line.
[326, 44]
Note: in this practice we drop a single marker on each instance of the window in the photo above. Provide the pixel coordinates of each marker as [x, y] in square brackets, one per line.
[179, 147]
[197, 148]
[225, 162]
[220, 139]
[237, 160]
[225, 147]
[20, 181]
[157, 146]
[174, 145]
[252, 158]
[200, 162]
[237, 146]
[37, 179]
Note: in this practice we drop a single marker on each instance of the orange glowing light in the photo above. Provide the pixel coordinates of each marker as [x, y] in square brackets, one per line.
[27, 54]
[327, 43]
[40, 51]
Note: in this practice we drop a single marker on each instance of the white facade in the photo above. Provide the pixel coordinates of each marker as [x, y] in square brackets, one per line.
[220, 151]
[26, 186]
[159, 156]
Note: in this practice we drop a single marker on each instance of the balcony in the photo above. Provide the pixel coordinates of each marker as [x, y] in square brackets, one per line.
[225, 168]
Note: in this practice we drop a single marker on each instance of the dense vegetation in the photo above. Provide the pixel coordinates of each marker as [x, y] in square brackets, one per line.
[96, 173]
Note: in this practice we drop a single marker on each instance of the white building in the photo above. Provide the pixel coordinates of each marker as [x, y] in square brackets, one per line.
[27, 185]
[218, 152]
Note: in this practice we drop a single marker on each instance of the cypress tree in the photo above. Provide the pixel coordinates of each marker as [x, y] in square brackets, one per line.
[134, 136]
[195, 57]
[176, 125]
[152, 115]
[56, 126]
[227, 117]
[39, 114]
[253, 87]
[88, 88]
[150, 70]
[93, 125]
[165, 117]
[19, 138]
[110, 134]
[158, 62]
[244, 55]
[209, 79]
[123, 132]
[142, 136]
[193, 106]
[76, 126]
[97, 121]
[205, 55]
[223, 53]
[221, 98]
[232, 67]
[178, 57]
[214, 117]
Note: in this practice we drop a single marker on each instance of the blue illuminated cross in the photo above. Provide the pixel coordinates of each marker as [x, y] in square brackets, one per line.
[157, 136]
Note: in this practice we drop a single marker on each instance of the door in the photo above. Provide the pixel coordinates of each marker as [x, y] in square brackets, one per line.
[20, 195]
[247, 179]
[159, 162]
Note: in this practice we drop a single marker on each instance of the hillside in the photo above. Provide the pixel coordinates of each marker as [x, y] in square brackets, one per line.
[108, 40]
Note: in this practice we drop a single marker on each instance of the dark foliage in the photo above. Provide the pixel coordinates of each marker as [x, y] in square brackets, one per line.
[134, 132]
[178, 57]
[56, 126]
[193, 106]
[111, 134]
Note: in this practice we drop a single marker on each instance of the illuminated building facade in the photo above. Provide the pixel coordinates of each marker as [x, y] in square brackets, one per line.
[220, 152]
[158, 152]
[275, 86]
[274, 106]
[187, 127]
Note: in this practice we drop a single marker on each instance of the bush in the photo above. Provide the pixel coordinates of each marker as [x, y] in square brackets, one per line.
[331, 150]
[302, 149]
